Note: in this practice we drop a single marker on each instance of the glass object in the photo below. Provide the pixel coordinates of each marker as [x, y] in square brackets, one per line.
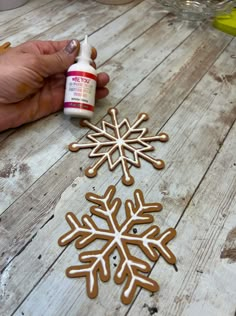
[114, 1]
[198, 10]
[11, 4]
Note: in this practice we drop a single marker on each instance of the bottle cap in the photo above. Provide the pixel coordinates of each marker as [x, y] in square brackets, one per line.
[85, 51]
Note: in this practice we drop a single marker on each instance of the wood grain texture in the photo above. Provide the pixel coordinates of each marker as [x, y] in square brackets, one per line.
[25, 153]
[197, 133]
[11, 15]
[183, 76]
[203, 283]
[53, 13]
[119, 88]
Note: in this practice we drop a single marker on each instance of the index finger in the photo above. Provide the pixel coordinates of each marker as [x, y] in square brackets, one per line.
[50, 47]
[42, 47]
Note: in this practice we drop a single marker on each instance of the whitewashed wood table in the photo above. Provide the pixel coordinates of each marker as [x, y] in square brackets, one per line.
[183, 75]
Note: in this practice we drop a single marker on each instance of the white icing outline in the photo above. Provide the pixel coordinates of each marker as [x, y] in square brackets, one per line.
[151, 242]
[120, 143]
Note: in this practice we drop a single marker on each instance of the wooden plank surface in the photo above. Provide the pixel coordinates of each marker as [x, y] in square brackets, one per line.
[193, 131]
[25, 153]
[32, 219]
[182, 75]
[53, 13]
[11, 15]
[204, 281]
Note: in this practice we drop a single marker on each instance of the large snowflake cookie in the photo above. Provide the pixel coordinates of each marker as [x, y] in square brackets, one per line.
[131, 270]
[120, 143]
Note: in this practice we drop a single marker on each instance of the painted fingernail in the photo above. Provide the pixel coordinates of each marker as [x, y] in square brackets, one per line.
[71, 46]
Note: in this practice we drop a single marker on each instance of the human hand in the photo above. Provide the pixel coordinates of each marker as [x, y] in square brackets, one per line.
[32, 80]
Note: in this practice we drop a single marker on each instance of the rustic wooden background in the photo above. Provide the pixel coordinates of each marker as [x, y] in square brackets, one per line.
[183, 75]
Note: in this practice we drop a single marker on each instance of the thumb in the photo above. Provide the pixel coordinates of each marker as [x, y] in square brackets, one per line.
[60, 61]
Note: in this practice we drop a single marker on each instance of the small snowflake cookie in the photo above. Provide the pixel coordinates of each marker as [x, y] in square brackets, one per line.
[110, 144]
[131, 270]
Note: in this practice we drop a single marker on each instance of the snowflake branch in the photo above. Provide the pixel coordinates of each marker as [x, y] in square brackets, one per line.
[75, 146]
[153, 244]
[113, 112]
[142, 117]
[103, 132]
[84, 234]
[137, 214]
[157, 163]
[162, 137]
[132, 269]
[108, 206]
[97, 262]
[92, 171]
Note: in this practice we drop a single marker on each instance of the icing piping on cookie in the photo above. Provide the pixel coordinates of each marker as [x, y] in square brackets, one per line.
[131, 270]
[137, 146]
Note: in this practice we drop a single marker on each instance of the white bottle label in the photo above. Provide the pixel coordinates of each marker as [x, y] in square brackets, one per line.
[80, 90]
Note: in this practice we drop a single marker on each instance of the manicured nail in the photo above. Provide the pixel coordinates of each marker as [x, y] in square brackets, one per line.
[71, 46]
[6, 45]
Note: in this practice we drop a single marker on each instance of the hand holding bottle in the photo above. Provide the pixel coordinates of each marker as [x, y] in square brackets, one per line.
[32, 80]
[81, 84]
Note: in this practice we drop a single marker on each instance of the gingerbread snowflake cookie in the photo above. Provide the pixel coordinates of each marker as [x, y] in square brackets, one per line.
[131, 270]
[109, 143]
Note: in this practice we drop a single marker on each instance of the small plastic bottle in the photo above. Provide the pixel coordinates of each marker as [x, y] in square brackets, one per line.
[81, 85]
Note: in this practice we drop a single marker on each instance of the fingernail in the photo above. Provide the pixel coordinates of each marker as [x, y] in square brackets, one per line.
[71, 46]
